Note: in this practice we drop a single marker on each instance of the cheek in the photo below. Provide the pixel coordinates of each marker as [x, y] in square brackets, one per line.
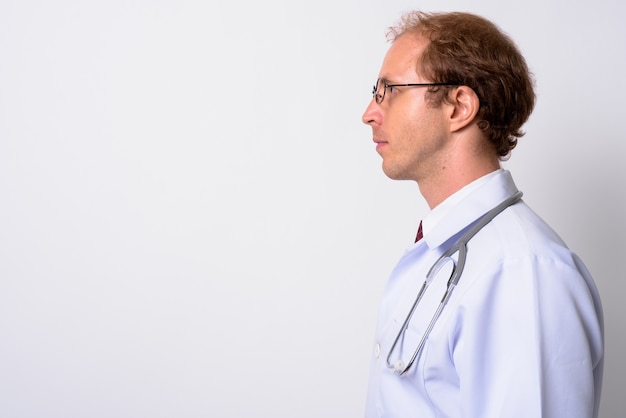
[403, 125]
[423, 140]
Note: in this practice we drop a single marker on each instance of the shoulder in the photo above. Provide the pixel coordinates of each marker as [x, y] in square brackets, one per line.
[520, 249]
[519, 232]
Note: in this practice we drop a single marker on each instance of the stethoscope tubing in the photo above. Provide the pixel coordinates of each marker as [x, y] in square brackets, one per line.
[461, 246]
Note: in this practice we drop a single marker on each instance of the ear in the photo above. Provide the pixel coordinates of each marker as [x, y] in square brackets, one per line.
[465, 105]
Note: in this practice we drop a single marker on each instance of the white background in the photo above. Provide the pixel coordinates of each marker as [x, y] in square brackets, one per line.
[193, 220]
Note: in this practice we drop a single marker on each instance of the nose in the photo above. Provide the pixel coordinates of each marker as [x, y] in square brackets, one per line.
[372, 114]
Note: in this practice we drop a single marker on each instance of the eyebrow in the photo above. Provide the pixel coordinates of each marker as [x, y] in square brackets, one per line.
[388, 80]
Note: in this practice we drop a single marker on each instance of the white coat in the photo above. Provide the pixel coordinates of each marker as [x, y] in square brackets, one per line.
[521, 336]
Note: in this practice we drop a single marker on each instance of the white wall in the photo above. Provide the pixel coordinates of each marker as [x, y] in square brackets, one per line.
[193, 220]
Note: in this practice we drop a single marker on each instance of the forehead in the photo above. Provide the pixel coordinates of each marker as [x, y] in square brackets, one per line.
[401, 58]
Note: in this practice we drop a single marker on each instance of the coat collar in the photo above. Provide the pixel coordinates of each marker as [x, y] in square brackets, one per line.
[446, 220]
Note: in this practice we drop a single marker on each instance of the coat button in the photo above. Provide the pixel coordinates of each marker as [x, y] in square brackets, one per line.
[377, 350]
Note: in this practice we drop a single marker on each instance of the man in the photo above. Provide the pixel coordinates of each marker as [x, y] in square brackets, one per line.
[521, 335]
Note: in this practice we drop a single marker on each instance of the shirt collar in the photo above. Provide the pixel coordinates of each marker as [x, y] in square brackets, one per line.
[466, 205]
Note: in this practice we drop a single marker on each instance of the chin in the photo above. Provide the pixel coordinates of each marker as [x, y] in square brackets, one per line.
[395, 174]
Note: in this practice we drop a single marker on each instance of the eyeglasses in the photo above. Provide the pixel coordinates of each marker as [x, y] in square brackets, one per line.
[382, 86]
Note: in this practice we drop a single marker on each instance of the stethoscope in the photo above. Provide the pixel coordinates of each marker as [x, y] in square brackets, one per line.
[457, 269]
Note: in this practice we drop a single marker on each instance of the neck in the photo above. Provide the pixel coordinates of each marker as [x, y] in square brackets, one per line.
[455, 172]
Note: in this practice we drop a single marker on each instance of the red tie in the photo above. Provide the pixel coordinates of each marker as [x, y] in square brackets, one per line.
[419, 233]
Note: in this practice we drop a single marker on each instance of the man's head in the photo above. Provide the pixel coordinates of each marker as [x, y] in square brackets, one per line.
[469, 50]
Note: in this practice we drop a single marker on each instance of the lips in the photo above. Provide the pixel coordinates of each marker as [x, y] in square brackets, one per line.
[380, 144]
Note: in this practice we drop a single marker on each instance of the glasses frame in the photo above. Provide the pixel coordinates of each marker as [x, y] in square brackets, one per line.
[380, 97]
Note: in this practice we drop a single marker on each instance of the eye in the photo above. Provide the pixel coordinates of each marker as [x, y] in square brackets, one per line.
[391, 89]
